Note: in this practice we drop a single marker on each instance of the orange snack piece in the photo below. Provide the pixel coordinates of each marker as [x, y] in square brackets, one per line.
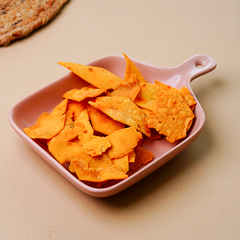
[122, 109]
[102, 123]
[131, 69]
[123, 142]
[128, 88]
[83, 93]
[172, 116]
[96, 76]
[49, 125]
[142, 157]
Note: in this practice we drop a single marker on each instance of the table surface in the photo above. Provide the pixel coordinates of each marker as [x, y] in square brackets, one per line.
[196, 195]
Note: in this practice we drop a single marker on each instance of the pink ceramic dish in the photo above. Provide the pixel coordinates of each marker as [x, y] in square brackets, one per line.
[26, 112]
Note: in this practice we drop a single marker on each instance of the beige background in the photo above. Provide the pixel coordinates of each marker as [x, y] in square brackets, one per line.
[194, 196]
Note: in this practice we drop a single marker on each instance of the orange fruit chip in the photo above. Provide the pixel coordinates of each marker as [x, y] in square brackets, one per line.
[147, 96]
[76, 107]
[83, 93]
[96, 76]
[183, 91]
[131, 69]
[66, 151]
[70, 131]
[142, 157]
[131, 157]
[70, 168]
[164, 86]
[103, 123]
[94, 145]
[187, 97]
[97, 169]
[49, 125]
[171, 116]
[84, 119]
[128, 88]
[123, 142]
[122, 109]
[122, 163]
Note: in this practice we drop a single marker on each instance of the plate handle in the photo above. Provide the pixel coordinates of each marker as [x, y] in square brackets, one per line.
[197, 65]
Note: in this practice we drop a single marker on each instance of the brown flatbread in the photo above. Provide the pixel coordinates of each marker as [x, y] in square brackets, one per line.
[20, 17]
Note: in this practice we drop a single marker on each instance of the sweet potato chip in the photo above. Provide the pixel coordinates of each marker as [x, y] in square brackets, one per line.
[183, 91]
[66, 151]
[49, 124]
[142, 157]
[123, 142]
[154, 134]
[70, 131]
[131, 69]
[171, 116]
[101, 122]
[122, 163]
[84, 119]
[97, 76]
[76, 107]
[97, 169]
[71, 168]
[146, 111]
[131, 157]
[83, 93]
[128, 88]
[188, 97]
[94, 145]
[122, 109]
[147, 96]
[164, 86]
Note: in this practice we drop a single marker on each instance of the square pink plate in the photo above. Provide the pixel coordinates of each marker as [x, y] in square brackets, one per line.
[26, 112]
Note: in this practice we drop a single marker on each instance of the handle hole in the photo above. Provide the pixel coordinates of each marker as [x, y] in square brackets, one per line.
[199, 64]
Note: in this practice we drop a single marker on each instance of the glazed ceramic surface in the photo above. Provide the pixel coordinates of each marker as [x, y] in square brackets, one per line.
[26, 112]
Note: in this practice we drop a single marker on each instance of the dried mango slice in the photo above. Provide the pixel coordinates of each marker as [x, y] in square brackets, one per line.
[147, 96]
[142, 157]
[122, 163]
[76, 107]
[103, 123]
[97, 169]
[131, 69]
[164, 86]
[122, 109]
[131, 157]
[123, 142]
[94, 145]
[87, 168]
[183, 91]
[171, 116]
[83, 93]
[188, 97]
[128, 88]
[84, 119]
[66, 151]
[97, 76]
[70, 131]
[49, 125]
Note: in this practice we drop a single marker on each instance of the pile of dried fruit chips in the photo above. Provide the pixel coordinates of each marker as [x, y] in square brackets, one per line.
[99, 129]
